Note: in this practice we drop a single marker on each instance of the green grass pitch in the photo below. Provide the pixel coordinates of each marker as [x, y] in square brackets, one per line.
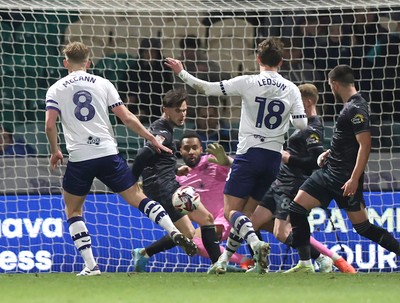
[200, 287]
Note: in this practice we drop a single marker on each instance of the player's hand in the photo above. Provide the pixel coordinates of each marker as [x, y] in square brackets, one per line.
[174, 64]
[55, 159]
[350, 188]
[157, 144]
[322, 158]
[285, 156]
[183, 170]
[218, 151]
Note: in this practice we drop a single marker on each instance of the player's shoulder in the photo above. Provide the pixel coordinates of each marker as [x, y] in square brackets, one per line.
[358, 99]
[161, 126]
[315, 126]
[358, 102]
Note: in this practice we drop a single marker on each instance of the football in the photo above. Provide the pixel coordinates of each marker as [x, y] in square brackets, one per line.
[186, 199]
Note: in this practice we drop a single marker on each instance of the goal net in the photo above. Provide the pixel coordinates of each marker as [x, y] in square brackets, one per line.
[215, 40]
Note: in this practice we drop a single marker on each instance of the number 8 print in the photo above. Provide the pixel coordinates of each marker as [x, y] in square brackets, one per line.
[84, 111]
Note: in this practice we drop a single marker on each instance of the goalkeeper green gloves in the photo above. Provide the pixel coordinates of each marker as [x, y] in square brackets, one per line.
[220, 157]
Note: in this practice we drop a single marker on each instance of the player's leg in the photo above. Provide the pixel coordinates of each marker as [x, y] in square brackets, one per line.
[233, 242]
[298, 212]
[338, 261]
[183, 224]
[245, 230]
[152, 209]
[210, 240]
[77, 181]
[223, 229]
[306, 199]
[377, 234]
[260, 218]
[116, 174]
[79, 233]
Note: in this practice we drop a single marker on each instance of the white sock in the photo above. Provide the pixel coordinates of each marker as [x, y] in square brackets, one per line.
[156, 213]
[82, 241]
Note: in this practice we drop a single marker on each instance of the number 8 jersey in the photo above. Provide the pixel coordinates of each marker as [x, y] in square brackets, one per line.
[269, 101]
[83, 101]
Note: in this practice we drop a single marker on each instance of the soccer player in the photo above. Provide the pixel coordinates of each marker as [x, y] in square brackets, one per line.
[269, 101]
[298, 162]
[342, 175]
[207, 174]
[159, 181]
[82, 101]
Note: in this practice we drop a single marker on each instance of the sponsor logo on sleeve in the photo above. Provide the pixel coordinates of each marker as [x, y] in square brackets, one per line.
[357, 119]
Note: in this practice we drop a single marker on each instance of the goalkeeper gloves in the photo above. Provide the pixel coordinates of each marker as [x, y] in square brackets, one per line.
[219, 154]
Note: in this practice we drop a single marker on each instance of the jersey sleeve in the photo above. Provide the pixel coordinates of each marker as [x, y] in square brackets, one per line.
[203, 87]
[113, 98]
[234, 86]
[314, 139]
[359, 117]
[51, 100]
[297, 112]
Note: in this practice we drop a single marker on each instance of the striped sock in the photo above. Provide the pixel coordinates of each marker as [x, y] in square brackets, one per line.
[83, 242]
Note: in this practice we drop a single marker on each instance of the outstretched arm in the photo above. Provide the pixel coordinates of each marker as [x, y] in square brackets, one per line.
[203, 87]
[132, 122]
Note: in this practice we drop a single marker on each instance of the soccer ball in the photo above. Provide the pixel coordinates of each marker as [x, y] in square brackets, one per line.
[186, 199]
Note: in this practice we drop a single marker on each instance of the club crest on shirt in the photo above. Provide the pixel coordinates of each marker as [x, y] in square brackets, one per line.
[357, 119]
[312, 139]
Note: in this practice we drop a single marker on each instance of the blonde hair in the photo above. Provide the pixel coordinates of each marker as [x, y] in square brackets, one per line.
[309, 91]
[76, 52]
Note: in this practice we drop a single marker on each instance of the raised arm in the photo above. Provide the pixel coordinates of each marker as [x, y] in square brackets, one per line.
[203, 87]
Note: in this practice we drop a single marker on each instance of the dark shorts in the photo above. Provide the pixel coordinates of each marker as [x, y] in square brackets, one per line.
[277, 201]
[324, 187]
[252, 173]
[113, 171]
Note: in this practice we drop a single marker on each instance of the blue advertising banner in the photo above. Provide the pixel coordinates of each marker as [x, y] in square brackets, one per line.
[34, 236]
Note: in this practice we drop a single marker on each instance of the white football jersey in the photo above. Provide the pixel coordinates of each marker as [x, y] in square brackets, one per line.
[83, 101]
[269, 101]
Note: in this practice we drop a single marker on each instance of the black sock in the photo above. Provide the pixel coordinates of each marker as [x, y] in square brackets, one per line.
[210, 242]
[160, 245]
[289, 240]
[313, 251]
[300, 229]
[378, 235]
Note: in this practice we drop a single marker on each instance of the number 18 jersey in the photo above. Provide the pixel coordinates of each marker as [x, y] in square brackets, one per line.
[268, 103]
[83, 101]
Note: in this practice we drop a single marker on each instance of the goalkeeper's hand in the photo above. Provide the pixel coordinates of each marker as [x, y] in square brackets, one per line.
[220, 157]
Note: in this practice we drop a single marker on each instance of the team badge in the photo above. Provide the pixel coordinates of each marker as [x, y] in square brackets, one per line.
[357, 119]
[312, 139]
